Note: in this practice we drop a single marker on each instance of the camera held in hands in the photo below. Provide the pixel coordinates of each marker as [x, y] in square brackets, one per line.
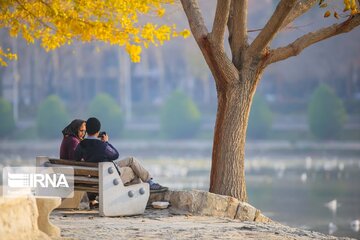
[101, 134]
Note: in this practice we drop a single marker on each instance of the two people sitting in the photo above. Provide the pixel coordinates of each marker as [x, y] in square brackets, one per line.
[95, 149]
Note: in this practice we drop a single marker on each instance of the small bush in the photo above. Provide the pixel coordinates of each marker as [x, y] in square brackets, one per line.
[7, 122]
[51, 118]
[326, 113]
[180, 118]
[105, 108]
[260, 120]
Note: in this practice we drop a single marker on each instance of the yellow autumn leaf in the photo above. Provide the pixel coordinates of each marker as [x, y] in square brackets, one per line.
[161, 12]
[186, 33]
[324, 5]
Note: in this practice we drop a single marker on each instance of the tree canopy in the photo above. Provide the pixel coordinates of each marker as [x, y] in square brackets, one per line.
[58, 22]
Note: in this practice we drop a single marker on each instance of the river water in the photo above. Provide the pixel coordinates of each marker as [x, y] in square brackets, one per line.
[324, 197]
[314, 190]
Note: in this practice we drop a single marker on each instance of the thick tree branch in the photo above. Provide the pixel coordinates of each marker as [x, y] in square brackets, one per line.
[230, 23]
[196, 21]
[311, 38]
[238, 41]
[272, 27]
[220, 20]
[300, 8]
[34, 16]
[220, 65]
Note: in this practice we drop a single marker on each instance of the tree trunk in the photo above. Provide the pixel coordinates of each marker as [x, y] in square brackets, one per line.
[206, 89]
[1, 82]
[125, 85]
[227, 169]
[159, 58]
[145, 79]
[16, 75]
[54, 74]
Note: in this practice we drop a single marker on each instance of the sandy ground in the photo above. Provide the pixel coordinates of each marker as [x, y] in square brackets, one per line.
[169, 224]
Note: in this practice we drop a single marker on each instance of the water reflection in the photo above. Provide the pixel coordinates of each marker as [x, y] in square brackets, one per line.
[332, 228]
[355, 225]
[332, 205]
[303, 177]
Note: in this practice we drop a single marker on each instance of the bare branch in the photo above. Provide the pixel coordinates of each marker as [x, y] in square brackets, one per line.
[240, 17]
[238, 41]
[230, 22]
[272, 27]
[311, 38]
[220, 20]
[295, 27]
[34, 16]
[300, 8]
[230, 17]
[196, 21]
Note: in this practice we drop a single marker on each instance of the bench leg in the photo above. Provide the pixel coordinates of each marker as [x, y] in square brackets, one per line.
[41, 160]
[45, 206]
[74, 202]
[117, 200]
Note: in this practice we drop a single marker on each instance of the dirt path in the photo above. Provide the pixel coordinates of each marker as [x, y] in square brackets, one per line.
[168, 224]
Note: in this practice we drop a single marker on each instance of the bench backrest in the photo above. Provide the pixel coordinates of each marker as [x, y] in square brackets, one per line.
[86, 174]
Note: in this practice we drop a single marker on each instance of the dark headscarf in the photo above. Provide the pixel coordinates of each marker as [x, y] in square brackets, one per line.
[72, 128]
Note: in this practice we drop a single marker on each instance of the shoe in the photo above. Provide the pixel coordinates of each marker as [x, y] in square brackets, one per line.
[156, 188]
[94, 204]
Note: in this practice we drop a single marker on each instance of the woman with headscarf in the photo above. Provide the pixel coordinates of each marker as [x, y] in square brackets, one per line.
[73, 134]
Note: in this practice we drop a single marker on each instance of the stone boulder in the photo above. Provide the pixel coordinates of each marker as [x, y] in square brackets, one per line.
[209, 204]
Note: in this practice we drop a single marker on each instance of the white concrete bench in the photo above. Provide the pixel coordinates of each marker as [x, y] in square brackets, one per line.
[115, 199]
